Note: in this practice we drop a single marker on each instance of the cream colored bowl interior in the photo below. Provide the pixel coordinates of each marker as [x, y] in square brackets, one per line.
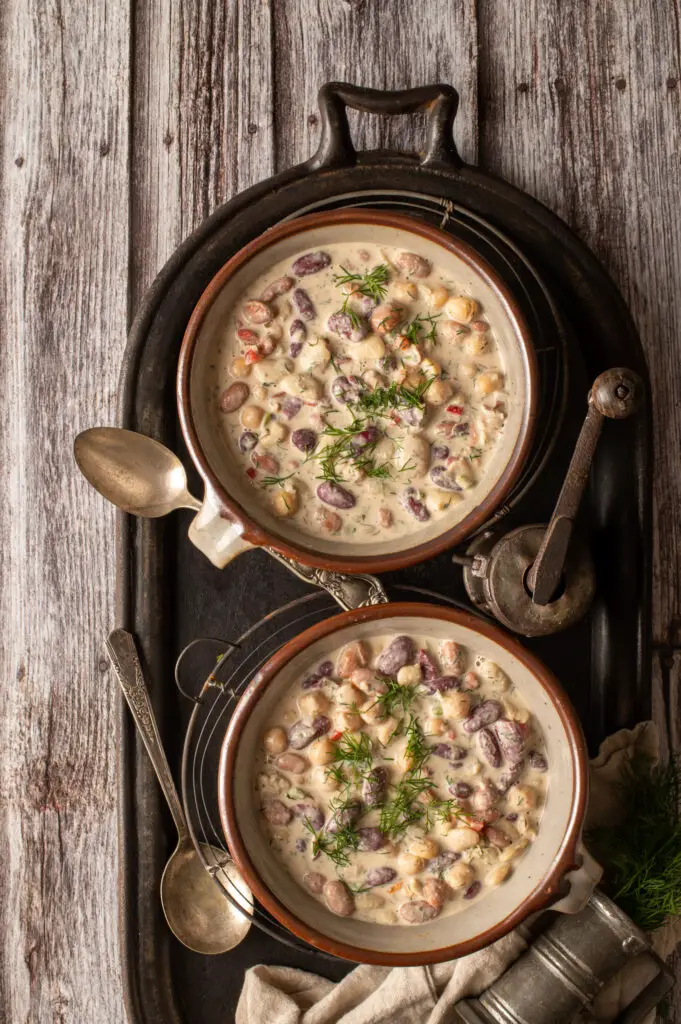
[202, 386]
[485, 913]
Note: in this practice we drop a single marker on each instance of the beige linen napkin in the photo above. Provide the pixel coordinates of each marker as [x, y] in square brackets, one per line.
[426, 995]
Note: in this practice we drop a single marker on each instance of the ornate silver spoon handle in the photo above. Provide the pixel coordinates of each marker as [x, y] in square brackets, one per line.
[356, 591]
[126, 663]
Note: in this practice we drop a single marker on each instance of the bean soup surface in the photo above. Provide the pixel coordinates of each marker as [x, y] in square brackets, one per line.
[401, 779]
[360, 392]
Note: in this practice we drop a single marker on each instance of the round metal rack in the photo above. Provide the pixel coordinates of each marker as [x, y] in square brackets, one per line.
[213, 708]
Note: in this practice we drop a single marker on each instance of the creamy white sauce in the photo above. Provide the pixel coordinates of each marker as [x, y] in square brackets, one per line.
[426, 458]
[481, 817]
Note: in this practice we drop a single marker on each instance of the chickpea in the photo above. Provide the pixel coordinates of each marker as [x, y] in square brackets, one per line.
[385, 318]
[435, 726]
[513, 851]
[403, 761]
[499, 875]
[452, 332]
[438, 296]
[463, 474]
[412, 356]
[475, 344]
[409, 864]
[325, 781]
[456, 705]
[522, 798]
[462, 308]
[372, 348]
[438, 392]
[322, 751]
[313, 704]
[405, 290]
[409, 675]
[460, 875]
[438, 501]
[488, 382]
[374, 379]
[251, 415]
[365, 679]
[349, 697]
[275, 741]
[240, 367]
[430, 368]
[273, 434]
[463, 839]
[346, 721]
[494, 675]
[521, 715]
[372, 711]
[285, 502]
[259, 392]
[385, 730]
[386, 916]
[425, 847]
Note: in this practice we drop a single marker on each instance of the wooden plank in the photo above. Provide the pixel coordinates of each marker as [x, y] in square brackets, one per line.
[63, 244]
[202, 119]
[583, 110]
[372, 44]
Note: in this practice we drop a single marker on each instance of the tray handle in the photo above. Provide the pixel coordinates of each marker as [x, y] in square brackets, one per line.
[439, 101]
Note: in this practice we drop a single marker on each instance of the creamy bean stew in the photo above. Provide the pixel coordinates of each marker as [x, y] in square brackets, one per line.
[359, 391]
[401, 779]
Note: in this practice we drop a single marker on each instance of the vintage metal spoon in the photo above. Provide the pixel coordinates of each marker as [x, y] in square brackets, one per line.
[143, 477]
[197, 912]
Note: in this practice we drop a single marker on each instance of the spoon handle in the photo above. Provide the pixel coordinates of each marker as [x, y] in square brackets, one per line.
[126, 663]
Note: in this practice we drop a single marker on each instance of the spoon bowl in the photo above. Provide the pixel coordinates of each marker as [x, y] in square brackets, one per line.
[134, 472]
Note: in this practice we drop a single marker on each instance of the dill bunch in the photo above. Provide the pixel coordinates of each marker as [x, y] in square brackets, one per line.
[642, 855]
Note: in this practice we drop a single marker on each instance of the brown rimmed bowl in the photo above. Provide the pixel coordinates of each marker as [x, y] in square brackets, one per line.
[232, 518]
[540, 876]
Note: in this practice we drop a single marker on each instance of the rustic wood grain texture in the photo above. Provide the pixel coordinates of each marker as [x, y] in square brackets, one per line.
[123, 126]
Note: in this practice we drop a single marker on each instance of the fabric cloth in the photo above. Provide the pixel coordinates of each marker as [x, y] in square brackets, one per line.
[426, 995]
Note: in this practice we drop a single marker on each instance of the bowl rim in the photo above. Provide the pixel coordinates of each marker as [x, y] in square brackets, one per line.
[230, 509]
[546, 890]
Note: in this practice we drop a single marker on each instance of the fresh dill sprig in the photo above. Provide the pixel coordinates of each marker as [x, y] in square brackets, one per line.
[344, 450]
[276, 481]
[381, 401]
[334, 845]
[404, 808]
[415, 331]
[397, 695]
[354, 753]
[372, 283]
[642, 854]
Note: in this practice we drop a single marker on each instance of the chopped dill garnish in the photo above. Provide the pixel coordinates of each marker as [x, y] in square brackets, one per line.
[354, 753]
[381, 401]
[397, 695]
[404, 808]
[372, 283]
[334, 845]
[415, 331]
[276, 481]
[343, 450]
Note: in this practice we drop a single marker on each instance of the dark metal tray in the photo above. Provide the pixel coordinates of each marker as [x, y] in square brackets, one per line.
[168, 594]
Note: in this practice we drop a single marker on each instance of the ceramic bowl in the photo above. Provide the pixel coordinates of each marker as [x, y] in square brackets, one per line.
[232, 519]
[542, 875]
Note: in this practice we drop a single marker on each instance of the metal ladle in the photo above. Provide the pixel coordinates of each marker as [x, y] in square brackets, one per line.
[143, 477]
[197, 911]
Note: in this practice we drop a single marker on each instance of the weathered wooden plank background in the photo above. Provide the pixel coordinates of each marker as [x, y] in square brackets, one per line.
[123, 126]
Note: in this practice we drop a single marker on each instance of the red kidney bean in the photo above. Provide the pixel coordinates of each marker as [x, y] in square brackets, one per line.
[339, 899]
[418, 912]
[350, 328]
[497, 837]
[489, 748]
[472, 890]
[439, 451]
[487, 712]
[290, 406]
[311, 813]
[512, 817]
[247, 441]
[347, 816]
[314, 881]
[511, 740]
[278, 287]
[366, 304]
[434, 892]
[396, 655]
[333, 494]
[374, 786]
[276, 812]
[458, 753]
[310, 263]
[412, 416]
[428, 664]
[438, 865]
[326, 669]
[462, 429]
[413, 265]
[444, 683]
[257, 312]
[509, 777]
[267, 346]
[461, 789]
[233, 397]
[485, 797]
[370, 838]
[379, 876]
[267, 463]
[305, 440]
[297, 333]
[291, 763]
[414, 506]
[346, 389]
[537, 761]
[302, 733]
[304, 304]
[443, 479]
[442, 750]
[247, 337]
[301, 845]
[310, 682]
